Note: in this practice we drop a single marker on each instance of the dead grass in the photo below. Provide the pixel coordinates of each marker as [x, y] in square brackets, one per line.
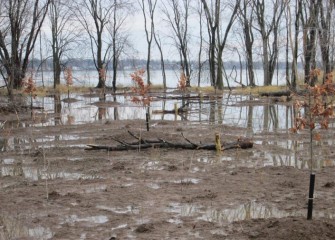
[258, 90]
[207, 89]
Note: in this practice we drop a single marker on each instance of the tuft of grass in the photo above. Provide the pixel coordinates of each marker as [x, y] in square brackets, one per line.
[77, 89]
[44, 91]
[41, 91]
[207, 89]
[260, 89]
[156, 86]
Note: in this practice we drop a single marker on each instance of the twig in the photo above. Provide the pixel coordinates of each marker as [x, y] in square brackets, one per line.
[195, 145]
[136, 137]
[122, 142]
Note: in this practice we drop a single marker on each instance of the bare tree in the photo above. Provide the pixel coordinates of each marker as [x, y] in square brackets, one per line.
[326, 9]
[212, 13]
[118, 35]
[332, 43]
[21, 22]
[177, 16]
[268, 27]
[158, 42]
[245, 16]
[218, 35]
[148, 8]
[63, 34]
[294, 42]
[222, 40]
[200, 13]
[309, 16]
[94, 16]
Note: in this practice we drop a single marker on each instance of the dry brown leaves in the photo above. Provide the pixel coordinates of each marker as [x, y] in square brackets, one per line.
[320, 106]
[140, 88]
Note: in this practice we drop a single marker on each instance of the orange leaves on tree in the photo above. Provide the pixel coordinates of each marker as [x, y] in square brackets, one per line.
[29, 86]
[317, 137]
[182, 82]
[300, 123]
[141, 89]
[68, 76]
[320, 106]
[329, 85]
[324, 124]
[314, 73]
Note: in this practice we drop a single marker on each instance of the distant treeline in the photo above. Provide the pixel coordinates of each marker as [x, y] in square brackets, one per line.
[88, 64]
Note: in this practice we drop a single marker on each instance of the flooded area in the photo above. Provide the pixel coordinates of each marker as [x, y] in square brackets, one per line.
[52, 187]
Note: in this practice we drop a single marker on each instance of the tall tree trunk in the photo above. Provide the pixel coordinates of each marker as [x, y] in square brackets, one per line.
[212, 57]
[269, 30]
[159, 45]
[246, 20]
[100, 61]
[222, 44]
[266, 73]
[149, 30]
[324, 35]
[294, 78]
[212, 25]
[219, 79]
[310, 43]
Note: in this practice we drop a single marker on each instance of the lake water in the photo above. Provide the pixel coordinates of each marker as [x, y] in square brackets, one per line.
[90, 78]
[227, 110]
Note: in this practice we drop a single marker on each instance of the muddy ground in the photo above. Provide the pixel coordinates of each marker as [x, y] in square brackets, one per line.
[52, 188]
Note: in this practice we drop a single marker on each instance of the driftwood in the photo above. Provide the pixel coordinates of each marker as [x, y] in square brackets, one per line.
[191, 97]
[141, 143]
[275, 94]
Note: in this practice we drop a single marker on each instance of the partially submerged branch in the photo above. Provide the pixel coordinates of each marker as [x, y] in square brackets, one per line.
[141, 143]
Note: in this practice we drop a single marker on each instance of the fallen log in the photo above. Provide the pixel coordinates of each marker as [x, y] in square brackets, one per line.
[242, 143]
[275, 94]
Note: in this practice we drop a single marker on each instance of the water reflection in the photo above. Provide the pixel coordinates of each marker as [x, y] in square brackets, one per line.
[57, 109]
[246, 211]
[226, 109]
[287, 153]
[36, 173]
[14, 228]
[152, 165]
[3, 144]
[241, 112]
[91, 219]
[120, 210]
[29, 142]
[255, 210]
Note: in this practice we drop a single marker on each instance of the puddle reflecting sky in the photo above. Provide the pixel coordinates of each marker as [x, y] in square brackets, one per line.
[246, 211]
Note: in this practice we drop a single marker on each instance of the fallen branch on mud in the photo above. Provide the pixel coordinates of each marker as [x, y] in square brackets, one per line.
[141, 143]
